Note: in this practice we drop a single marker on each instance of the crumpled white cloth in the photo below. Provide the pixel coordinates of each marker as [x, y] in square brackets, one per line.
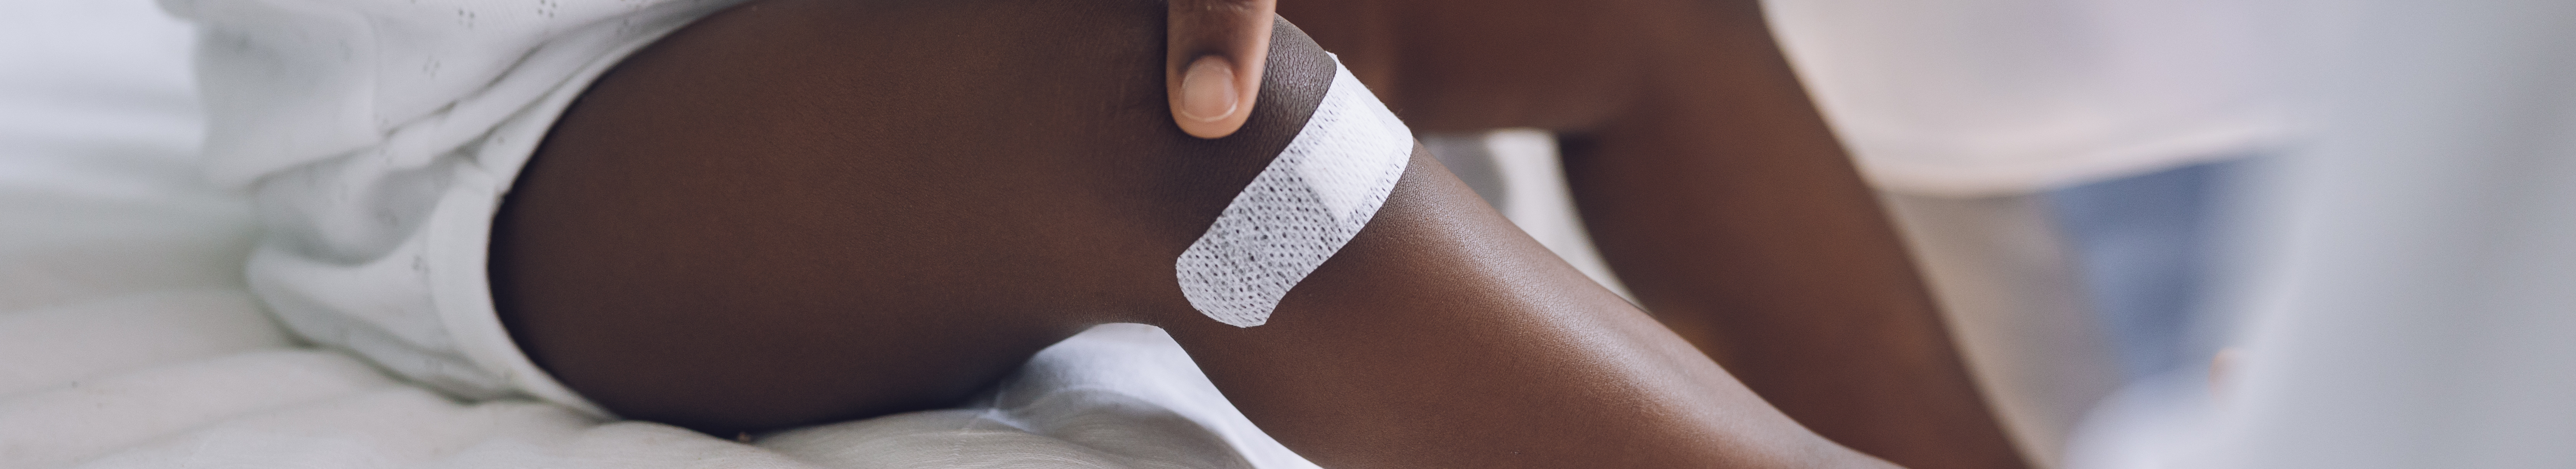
[191, 378]
[128, 340]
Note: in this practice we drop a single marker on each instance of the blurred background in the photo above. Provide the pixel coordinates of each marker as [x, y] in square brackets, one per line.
[2208, 233]
[2368, 207]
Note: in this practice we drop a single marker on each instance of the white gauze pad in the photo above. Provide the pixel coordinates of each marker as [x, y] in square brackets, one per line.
[1299, 210]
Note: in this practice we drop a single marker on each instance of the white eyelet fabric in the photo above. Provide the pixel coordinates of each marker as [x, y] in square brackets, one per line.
[1301, 209]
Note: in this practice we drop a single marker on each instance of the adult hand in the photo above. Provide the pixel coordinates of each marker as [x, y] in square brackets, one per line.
[1212, 69]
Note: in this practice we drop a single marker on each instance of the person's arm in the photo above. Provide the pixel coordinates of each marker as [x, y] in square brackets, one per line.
[1712, 187]
[1728, 208]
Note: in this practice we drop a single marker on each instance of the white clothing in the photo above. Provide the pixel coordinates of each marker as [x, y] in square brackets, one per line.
[1966, 98]
[2409, 285]
[377, 138]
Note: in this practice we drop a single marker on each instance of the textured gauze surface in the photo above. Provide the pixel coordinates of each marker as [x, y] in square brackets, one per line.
[1301, 209]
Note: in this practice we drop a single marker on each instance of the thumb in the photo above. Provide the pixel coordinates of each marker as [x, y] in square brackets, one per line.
[1212, 69]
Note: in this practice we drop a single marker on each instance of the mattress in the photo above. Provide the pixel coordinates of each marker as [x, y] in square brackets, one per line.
[127, 338]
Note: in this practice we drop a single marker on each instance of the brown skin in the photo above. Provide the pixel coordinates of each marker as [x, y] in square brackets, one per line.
[834, 200]
[803, 210]
[1213, 62]
[1712, 187]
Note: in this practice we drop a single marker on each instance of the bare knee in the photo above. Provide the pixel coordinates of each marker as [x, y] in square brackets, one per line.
[801, 210]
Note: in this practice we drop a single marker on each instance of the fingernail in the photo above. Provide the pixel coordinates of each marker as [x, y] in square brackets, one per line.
[1207, 90]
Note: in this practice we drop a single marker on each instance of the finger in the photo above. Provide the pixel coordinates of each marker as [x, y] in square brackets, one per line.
[1214, 61]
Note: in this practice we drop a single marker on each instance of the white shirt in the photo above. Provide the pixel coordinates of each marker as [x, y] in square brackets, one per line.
[1993, 97]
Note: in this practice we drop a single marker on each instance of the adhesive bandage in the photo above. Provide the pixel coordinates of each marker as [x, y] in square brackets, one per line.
[1301, 209]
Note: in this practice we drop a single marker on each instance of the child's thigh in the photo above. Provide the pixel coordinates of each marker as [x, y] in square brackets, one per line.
[802, 210]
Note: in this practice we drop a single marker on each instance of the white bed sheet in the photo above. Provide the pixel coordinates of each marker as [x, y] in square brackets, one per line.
[127, 339]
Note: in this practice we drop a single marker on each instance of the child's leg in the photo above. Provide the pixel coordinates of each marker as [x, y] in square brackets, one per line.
[803, 210]
[798, 211]
[1712, 187]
